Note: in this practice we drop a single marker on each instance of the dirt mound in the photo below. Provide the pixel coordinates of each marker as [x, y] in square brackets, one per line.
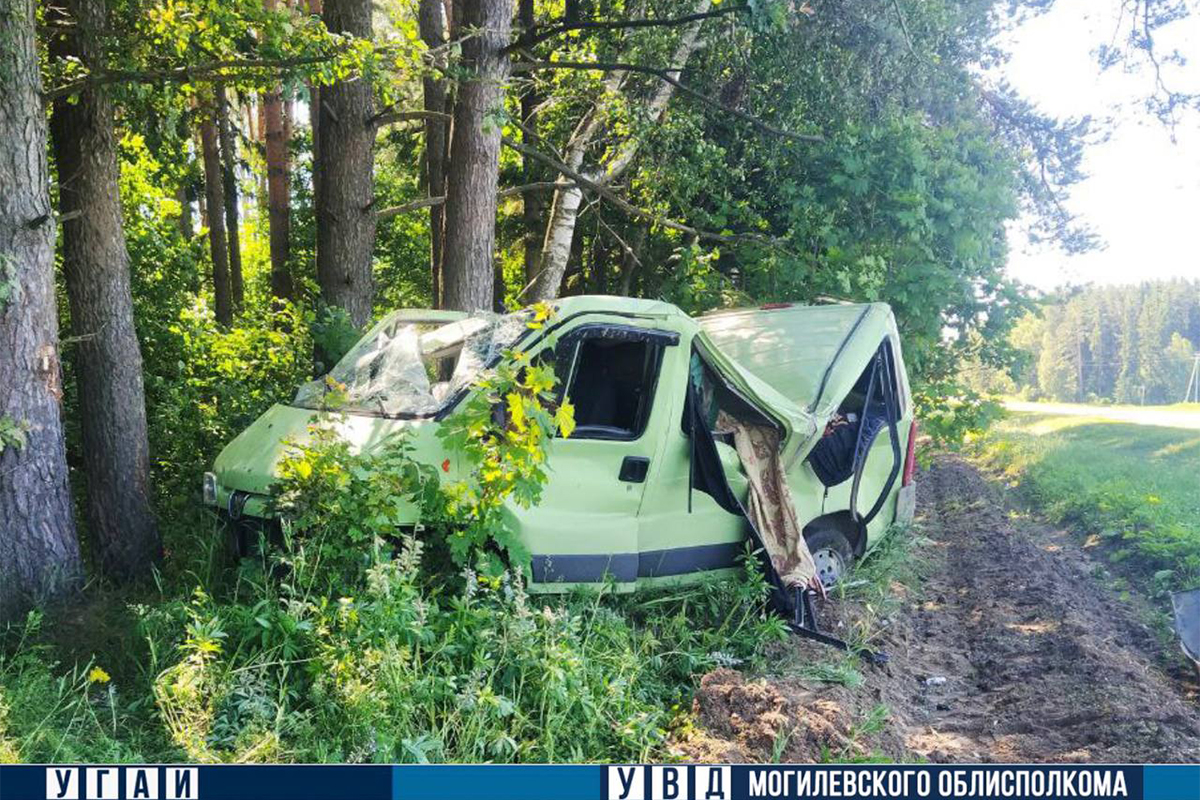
[1013, 651]
[756, 720]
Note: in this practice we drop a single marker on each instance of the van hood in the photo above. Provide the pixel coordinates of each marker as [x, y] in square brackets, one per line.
[250, 462]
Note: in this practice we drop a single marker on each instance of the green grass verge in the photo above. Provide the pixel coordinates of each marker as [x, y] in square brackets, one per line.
[1133, 490]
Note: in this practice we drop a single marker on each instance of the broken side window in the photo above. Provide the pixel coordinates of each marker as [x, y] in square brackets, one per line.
[860, 417]
[610, 374]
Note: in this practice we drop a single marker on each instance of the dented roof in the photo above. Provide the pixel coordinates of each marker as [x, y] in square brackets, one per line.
[811, 355]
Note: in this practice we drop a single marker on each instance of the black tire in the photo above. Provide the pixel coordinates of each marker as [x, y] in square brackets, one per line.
[832, 553]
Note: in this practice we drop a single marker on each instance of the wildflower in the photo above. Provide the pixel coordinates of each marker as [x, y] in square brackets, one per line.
[97, 675]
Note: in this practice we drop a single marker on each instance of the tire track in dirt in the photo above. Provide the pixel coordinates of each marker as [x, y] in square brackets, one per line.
[1042, 663]
[1013, 652]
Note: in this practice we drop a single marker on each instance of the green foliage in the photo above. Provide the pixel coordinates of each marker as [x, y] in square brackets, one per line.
[220, 381]
[1130, 489]
[501, 433]
[13, 433]
[1125, 344]
[54, 715]
[333, 333]
[950, 412]
[339, 502]
[338, 645]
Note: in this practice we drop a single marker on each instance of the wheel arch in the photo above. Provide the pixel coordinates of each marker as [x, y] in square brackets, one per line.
[841, 521]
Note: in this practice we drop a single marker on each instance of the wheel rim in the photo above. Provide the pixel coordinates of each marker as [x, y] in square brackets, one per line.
[830, 565]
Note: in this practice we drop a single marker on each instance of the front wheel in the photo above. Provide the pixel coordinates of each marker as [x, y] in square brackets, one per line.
[831, 552]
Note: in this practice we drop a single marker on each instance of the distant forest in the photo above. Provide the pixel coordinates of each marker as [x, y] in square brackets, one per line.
[1123, 344]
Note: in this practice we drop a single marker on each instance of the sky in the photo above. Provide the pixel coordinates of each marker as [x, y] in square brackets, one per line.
[1142, 193]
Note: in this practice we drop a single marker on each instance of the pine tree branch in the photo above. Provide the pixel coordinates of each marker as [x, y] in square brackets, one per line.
[426, 202]
[213, 71]
[387, 117]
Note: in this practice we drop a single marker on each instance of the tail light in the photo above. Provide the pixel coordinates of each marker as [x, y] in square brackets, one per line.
[910, 459]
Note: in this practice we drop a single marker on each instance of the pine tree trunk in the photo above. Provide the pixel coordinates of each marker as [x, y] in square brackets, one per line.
[345, 220]
[107, 358]
[432, 24]
[314, 106]
[39, 556]
[533, 204]
[474, 170]
[256, 127]
[229, 193]
[279, 213]
[214, 204]
[187, 227]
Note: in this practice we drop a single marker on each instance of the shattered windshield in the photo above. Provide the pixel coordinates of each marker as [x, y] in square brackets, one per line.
[414, 367]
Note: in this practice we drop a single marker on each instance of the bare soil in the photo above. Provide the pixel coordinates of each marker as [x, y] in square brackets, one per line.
[1013, 651]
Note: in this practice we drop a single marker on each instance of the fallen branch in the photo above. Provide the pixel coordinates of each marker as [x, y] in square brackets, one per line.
[426, 202]
[666, 76]
[630, 208]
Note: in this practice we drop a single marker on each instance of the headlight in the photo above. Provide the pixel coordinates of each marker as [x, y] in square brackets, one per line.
[210, 489]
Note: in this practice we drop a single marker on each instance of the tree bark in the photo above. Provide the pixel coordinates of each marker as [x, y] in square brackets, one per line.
[630, 262]
[214, 203]
[345, 220]
[107, 359]
[432, 23]
[229, 192]
[474, 170]
[39, 555]
[187, 228]
[533, 204]
[564, 209]
[279, 212]
[314, 105]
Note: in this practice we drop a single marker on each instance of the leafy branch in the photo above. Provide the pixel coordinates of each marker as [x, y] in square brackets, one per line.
[667, 76]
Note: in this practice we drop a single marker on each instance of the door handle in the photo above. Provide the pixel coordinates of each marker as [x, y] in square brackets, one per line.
[634, 469]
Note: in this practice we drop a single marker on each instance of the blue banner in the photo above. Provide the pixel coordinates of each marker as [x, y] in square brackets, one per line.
[597, 782]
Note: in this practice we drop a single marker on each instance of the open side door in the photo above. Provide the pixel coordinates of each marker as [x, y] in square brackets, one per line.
[708, 475]
[881, 383]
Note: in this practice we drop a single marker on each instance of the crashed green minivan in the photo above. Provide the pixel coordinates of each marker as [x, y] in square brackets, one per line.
[792, 425]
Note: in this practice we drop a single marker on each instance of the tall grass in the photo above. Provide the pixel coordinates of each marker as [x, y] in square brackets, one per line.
[327, 647]
[1130, 489]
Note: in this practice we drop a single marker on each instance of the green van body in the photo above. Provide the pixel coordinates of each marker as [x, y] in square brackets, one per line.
[619, 504]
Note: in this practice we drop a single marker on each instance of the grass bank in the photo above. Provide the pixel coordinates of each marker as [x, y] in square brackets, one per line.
[1129, 488]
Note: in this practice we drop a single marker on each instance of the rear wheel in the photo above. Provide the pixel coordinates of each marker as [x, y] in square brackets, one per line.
[831, 552]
